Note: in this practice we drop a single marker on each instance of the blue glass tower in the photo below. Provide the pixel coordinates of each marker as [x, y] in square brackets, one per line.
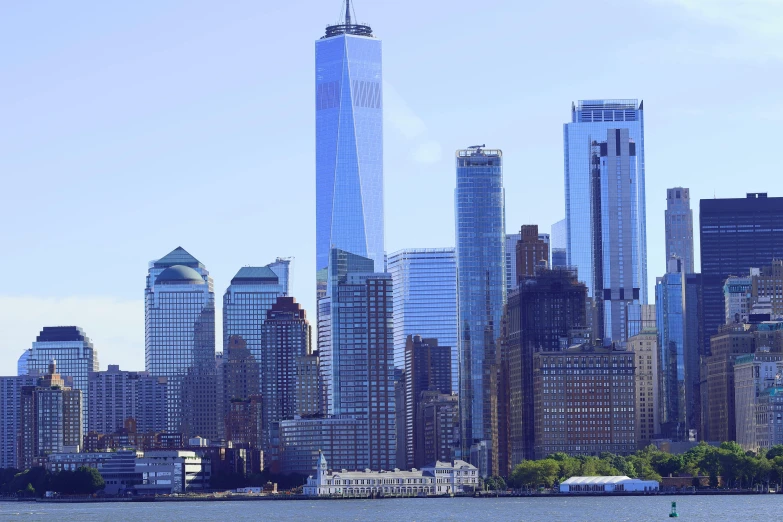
[481, 282]
[425, 301]
[349, 143]
[591, 123]
[678, 310]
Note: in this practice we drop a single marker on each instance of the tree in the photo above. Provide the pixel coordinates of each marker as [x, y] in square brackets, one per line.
[88, 480]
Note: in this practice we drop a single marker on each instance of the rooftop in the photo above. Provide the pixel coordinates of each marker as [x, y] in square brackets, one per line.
[178, 256]
[179, 274]
[345, 24]
[61, 334]
[255, 274]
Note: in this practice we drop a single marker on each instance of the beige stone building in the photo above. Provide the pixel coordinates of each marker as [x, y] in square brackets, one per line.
[645, 349]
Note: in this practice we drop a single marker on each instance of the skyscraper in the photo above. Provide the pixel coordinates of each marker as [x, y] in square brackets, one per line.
[541, 316]
[678, 303]
[116, 396]
[619, 258]
[75, 355]
[602, 137]
[679, 227]
[736, 234]
[356, 349]
[425, 300]
[535, 246]
[179, 323]
[247, 300]
[349, 142]
[427, 368]
[10, 402]
[50, 418]
[285, 338]
[481, 277]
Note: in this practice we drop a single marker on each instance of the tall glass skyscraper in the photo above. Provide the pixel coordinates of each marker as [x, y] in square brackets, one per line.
[74, 353]
[593, 122]
[679, 227]
[678, 307]
[481, 281]
[425, 300]
[349, 143]
[179, 325]
[253, 291]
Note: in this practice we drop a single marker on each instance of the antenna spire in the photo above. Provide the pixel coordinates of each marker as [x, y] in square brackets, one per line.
[347, 12]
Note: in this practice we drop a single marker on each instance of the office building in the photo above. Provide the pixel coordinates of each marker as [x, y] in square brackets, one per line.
[75, 355]
[645, 350]
[737, 297]
[356, 353]
[753, 373]
[437, 427]
[427, 368]
[769, 410]
[558, 243]
[309, 386]
[480, 230]
[425, 300]
[678, 308]
[767, 286]
[342, 437]
[21, 363]
[679, 227]
[10, 402]
[247, 301]
[117, 468]
[167, 472]
[349, 143]
[546, 314]
[718, 398]
[239, 381]
[736, 234]
[244, 426]
[618, 233]
[50, 418]
[285, 337]
[569, 384]
[594, 122]
[531, 252]
[116, 396]
[179, 339]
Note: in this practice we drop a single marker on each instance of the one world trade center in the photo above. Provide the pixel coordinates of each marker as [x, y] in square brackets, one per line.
[349, 144]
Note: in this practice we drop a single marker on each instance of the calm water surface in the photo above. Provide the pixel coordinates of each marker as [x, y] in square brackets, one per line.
[713, 508]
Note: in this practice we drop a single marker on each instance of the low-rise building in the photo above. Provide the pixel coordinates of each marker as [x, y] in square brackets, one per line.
[118, 468]
[769, 418]
[166, 472]
[606, 484]
[440, 478]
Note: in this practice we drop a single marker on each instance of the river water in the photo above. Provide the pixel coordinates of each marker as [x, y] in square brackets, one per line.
[699, 507]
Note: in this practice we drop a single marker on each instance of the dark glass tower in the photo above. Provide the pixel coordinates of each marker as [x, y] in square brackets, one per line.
[481, 290]
[349, 142]
[736, 234]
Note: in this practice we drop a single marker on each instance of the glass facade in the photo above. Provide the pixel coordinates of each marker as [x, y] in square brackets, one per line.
[179, 325]
[349, 144]
[481, 282]
[678, 303]
[74, 353]
[592, 121]
[357, 353]
[679, 227]
[735, 235]
[247, 301]
[425, 300]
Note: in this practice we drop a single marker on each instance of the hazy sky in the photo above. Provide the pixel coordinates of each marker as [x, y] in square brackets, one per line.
[130, 128]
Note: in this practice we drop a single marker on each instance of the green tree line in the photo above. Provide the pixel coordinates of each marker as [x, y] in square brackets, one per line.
[739, 469]
[37, 481]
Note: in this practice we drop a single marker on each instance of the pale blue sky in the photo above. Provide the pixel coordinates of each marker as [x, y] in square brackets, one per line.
[130, 128]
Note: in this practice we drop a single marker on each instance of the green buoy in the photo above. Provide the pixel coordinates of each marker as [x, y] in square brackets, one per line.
[674, 514]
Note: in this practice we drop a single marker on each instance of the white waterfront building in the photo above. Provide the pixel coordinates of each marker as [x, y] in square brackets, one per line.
[606, 484]
[440, 478]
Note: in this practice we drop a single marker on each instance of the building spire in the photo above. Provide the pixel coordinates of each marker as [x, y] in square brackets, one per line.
[347, 12]
[347, 26]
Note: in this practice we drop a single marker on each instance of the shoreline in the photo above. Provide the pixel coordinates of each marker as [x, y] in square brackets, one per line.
[245, 498]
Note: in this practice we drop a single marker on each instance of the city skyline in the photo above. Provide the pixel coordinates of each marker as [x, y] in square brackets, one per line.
[112, 314]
